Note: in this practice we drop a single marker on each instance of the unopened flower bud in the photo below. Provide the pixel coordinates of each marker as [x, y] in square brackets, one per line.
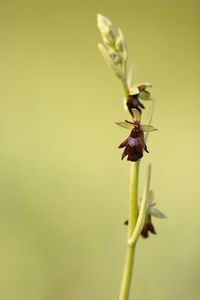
[116, 57]
[109, 38]
[119, 44]
[106, 29]
[103, 21]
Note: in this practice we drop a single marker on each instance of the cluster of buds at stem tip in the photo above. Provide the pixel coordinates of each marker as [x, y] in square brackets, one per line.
[115, 52]
[134, 144]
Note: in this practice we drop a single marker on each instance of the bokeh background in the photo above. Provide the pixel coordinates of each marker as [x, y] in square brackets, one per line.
[63, 187]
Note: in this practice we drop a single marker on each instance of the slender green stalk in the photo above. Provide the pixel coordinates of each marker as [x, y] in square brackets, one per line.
[133, 214]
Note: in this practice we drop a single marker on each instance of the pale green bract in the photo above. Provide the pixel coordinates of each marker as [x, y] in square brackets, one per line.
[125, 125]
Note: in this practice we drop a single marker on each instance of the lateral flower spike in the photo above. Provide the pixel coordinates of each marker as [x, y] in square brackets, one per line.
[151, 211]
[143, 209]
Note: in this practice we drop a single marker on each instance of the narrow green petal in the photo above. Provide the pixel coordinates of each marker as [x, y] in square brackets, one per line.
[147, 128]
[125, 125]
[149, 118]
[157, 213]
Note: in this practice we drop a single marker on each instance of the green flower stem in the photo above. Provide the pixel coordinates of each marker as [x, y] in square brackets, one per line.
[125, 87]
[133, 214]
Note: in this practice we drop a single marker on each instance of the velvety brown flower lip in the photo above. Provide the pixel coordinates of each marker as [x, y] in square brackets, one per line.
[134, 103]
[134, 144]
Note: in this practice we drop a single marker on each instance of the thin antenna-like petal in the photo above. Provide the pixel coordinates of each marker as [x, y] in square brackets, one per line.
[149, 119]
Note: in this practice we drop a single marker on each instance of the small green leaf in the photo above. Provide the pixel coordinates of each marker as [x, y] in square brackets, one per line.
[125, 125]
[148, 128]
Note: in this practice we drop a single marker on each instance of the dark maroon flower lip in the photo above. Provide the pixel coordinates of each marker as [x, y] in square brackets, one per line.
[134, 103]
[134, 144]
[133, 100]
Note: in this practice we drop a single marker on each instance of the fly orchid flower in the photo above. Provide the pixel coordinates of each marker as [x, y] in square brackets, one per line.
[136, 93]
[135, 143]
[151, 211]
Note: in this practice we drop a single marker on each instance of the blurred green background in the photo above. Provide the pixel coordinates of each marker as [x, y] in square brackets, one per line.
[64, 189]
